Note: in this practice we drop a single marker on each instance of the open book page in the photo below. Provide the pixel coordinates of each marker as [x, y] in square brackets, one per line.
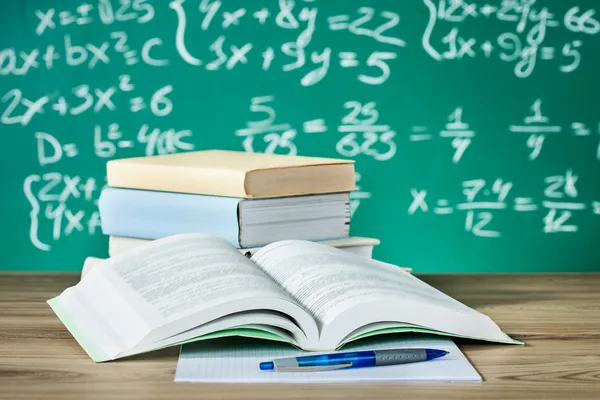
[350, 296]
[167, 290]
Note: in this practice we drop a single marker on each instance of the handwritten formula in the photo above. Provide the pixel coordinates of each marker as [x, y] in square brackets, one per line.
[391, 85]
[484, 200]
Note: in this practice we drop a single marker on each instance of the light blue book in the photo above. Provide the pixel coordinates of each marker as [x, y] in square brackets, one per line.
[242, 222]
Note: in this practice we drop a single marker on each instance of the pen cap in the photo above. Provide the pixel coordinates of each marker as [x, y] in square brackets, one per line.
[267, 366]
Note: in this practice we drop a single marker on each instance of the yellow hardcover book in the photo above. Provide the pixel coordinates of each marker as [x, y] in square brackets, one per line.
[233, 174]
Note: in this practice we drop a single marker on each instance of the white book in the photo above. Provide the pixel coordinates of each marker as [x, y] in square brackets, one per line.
[194, 287]
[362, 246]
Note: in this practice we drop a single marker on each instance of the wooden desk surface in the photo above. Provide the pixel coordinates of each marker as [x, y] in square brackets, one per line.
[558, 316]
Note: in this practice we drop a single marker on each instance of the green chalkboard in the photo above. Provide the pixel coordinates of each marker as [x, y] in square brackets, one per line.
[475, 125]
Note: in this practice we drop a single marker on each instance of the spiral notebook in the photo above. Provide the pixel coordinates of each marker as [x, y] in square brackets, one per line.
[235, 360]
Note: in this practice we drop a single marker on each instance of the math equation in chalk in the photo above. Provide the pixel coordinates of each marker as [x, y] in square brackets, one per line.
[125, 68]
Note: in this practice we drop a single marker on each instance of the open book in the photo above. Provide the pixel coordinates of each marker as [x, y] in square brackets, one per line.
[194, 286]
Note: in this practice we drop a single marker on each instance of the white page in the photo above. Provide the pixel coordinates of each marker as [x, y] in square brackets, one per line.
[237, 361]
[169, 286]
[170, 278]
[344, 292]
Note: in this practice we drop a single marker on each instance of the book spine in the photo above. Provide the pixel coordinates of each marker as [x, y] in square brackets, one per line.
[151, 215]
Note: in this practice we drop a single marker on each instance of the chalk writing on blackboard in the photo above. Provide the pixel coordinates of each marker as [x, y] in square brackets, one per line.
[528, 36]
[59, 198]
[558, 204]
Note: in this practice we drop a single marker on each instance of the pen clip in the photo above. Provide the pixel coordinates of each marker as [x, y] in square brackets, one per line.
[315, 368]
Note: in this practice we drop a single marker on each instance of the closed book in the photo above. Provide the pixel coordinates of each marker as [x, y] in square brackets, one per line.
[360, 246]
[146, 214]
[233, 174]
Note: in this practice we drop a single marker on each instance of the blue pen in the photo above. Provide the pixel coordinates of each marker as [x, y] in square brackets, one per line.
[355, 359]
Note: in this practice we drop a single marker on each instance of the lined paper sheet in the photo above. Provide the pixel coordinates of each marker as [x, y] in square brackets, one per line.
[237, 359]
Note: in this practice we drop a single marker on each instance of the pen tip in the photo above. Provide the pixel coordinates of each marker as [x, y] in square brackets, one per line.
[432, 354]
[266, 366]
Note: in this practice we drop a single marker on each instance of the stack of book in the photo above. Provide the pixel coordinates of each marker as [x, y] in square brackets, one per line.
[248, 199]
[189, 282]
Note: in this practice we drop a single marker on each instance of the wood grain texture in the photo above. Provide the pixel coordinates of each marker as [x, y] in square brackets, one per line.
[558, 316]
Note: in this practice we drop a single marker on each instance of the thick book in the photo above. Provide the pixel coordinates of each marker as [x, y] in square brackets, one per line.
[233, 173]
[361, 246]
[194, 287]
[146, 214]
